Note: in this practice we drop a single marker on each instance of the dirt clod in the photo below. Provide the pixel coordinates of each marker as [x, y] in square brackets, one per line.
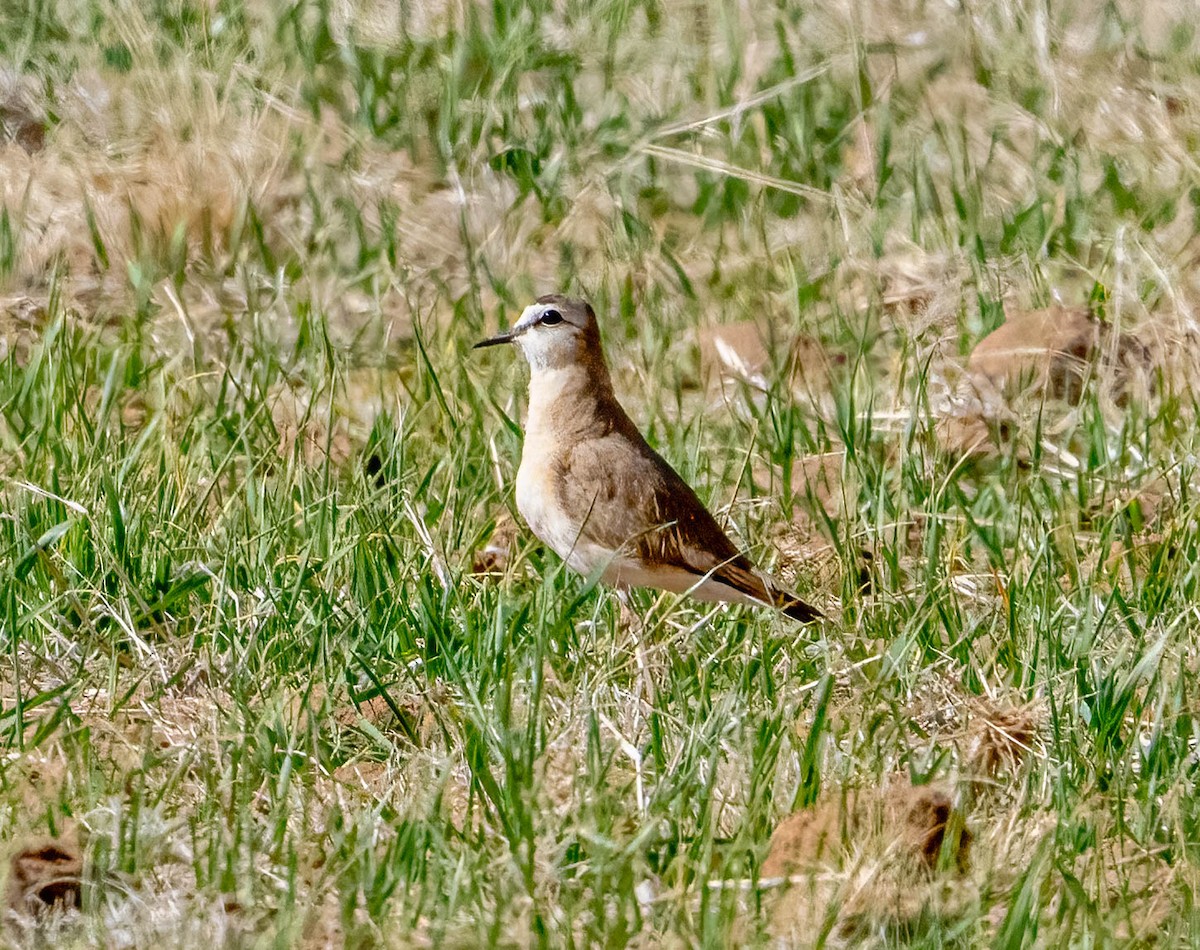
[867, 862]
[44, 874]
[1037, 365]
[754, 353]
[494, 556]
[911, 822]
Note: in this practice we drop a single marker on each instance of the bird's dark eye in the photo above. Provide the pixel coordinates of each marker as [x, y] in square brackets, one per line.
[550, 317]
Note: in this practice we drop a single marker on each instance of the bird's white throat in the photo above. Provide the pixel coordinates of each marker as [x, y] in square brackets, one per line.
[557, 400]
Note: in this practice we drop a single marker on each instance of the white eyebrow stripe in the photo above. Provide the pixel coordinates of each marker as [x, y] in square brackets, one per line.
[529, 316]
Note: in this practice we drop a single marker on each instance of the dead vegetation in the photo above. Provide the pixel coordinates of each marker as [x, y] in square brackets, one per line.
[1001, 737]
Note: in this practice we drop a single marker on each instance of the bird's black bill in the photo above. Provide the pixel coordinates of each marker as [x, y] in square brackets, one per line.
[496, 340]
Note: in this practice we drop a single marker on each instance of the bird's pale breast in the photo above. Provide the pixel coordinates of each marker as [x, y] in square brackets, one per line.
[539, 501]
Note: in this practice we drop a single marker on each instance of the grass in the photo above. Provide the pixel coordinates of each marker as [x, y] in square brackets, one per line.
[248, 461]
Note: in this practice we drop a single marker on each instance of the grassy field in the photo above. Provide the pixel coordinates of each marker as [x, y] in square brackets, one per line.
[282, 668]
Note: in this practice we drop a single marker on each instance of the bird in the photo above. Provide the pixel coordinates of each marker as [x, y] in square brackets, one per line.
[593, 490]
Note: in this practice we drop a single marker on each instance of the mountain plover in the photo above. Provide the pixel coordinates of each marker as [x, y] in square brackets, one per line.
[592, 489]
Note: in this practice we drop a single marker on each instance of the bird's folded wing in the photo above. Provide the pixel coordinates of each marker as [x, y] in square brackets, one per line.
[636, 504]
[737, 572]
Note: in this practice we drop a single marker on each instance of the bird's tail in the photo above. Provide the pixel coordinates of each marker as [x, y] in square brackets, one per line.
[790, 604]
[797, 609]
[760, 588]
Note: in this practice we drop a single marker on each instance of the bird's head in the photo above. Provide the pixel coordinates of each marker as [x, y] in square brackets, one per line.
[553, 333]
